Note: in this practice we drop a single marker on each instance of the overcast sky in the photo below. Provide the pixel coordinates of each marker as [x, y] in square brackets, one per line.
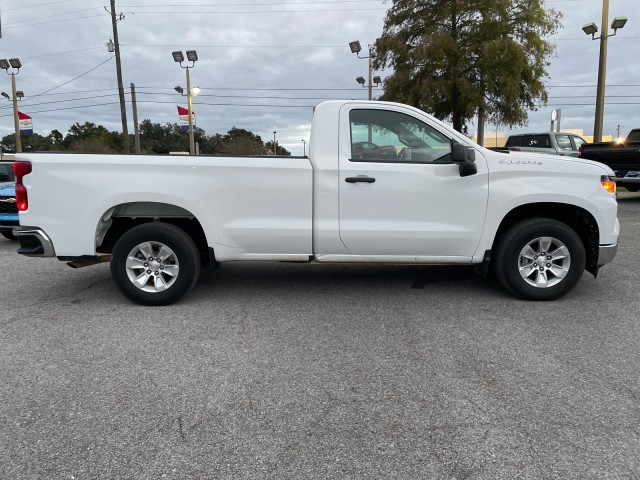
[263, 65]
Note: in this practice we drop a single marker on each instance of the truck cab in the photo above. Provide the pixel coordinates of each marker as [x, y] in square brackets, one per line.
[552, 143]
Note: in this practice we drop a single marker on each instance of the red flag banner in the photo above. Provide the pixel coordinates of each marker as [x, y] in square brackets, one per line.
[26, 124]
[183, 114]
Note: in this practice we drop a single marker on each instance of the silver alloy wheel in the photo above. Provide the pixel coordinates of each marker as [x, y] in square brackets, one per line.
[152, 267]
[544, 262]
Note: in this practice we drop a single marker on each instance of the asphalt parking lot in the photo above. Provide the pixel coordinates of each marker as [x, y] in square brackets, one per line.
[299, 371]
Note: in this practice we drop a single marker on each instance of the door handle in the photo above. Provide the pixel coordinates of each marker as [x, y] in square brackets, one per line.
[360, 179]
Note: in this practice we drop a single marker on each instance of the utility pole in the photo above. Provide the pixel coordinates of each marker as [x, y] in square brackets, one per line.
[123, 105]
[136, 130]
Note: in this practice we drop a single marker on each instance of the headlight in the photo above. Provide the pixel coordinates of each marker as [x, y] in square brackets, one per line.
[608, 183]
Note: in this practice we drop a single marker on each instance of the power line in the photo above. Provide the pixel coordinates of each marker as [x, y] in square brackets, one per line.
[53, 21]
[158, 102]
[233, 46]
[54, 15]
[67, 108]
[65, 83]
[275, 89]
[62, 53]
[217, 5]
[17, 25]
[37, 5]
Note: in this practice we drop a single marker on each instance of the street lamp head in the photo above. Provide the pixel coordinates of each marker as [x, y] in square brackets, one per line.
[4, 64]
[618, 22]
[5, 95]
[19, 94]
[192, 55]
[355, 46]
[195, 91]
[178, 57]
[360, 80]
[179, 89]
[377, 80]
[15, 63]
[590, 28]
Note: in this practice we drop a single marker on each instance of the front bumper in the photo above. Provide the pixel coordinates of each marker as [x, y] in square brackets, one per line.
[606, 254]
[34, 242]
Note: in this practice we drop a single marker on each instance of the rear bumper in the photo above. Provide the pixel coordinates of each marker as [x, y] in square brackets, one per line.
[34, 242]
[606, 254]
[7, 226]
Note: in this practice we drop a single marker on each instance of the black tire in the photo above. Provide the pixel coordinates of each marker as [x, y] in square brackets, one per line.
[632, 188]
[566, 250]
[168, 277]
[8, 235]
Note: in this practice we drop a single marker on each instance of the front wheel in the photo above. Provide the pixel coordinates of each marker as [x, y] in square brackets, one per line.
[155, 264]
[539, 259]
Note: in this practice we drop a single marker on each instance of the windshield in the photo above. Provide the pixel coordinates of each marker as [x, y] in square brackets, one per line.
[6, 172]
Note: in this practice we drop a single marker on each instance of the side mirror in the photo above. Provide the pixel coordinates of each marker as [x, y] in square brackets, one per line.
[465, 157]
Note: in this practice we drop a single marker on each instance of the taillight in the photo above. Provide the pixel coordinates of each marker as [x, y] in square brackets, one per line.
[580, 152]
[21, 169]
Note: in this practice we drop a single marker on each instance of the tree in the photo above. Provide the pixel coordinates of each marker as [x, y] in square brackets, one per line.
[95, 137]
[31, 142]
[456, 58]
[162, 139]
[57, 139]
[280, 149]
[239, 141]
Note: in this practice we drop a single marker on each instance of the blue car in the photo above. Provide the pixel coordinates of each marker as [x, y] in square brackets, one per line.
[8, 206]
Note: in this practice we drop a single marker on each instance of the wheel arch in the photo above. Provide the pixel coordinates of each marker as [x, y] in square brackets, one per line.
[577, 218]
[119, 219]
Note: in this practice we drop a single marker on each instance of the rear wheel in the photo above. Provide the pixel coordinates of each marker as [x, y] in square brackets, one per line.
[155, 264]
[539, 259]
[8, 235]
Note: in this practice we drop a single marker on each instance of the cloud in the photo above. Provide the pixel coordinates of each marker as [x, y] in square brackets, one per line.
[262, 65]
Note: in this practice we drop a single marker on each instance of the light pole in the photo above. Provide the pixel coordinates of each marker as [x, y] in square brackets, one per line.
[192, 56]
[304, 147]
[275, 149]
[591, 29]
[376, 80]
[357, 48]
[15, 64]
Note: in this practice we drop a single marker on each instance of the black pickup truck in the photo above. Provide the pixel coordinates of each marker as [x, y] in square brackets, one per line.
[622, 157]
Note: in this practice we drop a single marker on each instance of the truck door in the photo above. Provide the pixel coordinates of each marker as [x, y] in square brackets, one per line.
[400, 192]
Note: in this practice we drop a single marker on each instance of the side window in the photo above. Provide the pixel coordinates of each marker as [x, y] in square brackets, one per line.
[384, 136]
[578, 142]
[564, 142]
[514, 141]
[536, 141]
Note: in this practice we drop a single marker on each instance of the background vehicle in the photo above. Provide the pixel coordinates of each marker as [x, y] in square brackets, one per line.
[553, 143]
[8, 207]
[8, 210]
[537, 220]
[622, 157]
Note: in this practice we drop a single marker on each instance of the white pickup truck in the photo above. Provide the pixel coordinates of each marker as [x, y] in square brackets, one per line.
[383, 183]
